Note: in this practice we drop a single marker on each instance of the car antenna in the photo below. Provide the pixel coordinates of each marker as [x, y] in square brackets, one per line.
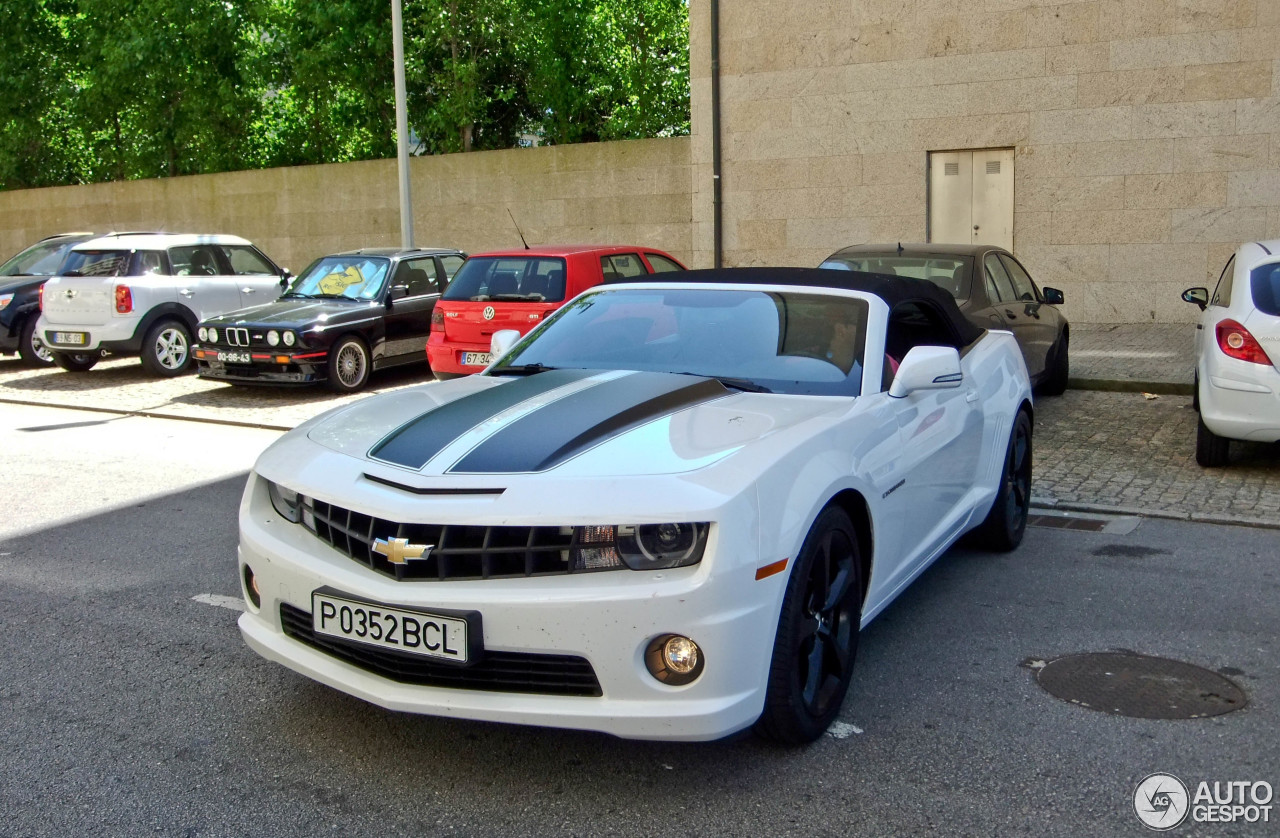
[899, 248]
[521, 235]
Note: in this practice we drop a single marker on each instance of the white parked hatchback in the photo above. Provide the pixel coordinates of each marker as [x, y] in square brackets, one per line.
[1237, 353]
[144, 293]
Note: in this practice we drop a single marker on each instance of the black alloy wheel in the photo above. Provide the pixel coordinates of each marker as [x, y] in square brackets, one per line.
[1005, 524]
[75, 361]
[30, 345]
[817, 639]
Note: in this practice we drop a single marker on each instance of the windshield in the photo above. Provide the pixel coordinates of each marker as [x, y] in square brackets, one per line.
[349, 277]
[950, 273]
[1265, 280]
[528, 279]
[783, 342]
[40, 259]
[96, 263]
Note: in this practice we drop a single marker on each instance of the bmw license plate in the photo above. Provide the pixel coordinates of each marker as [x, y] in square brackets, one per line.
[234, 357]
[416, 632]
[476, 359]
[70, 338]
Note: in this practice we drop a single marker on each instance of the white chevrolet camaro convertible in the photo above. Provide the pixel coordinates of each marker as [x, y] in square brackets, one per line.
[664, 514]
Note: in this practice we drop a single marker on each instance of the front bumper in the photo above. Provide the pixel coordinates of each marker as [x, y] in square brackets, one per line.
[607, 618]
[265, 368]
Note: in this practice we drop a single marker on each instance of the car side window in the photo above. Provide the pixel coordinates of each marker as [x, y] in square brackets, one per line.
[999, 286]
[622, 264]
[198, 260]
[419, 275]
[450, 265]
[662, 264]
[149, 262]
[246, 261]
[1222, 293]
[1022, 284]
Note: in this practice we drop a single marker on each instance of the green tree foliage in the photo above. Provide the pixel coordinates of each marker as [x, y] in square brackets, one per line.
[94, 90]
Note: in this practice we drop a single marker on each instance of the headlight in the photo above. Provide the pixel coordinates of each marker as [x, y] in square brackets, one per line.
[285, 501]
[5, 299]
[639, 546]
[203, 334]
[213, 336]
[273, 338]
[290, 338]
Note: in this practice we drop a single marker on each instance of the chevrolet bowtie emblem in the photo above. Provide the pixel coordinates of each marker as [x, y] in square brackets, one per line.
[400, 551]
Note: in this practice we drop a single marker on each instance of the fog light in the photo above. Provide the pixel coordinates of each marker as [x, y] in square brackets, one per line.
[674, 659]
[251, 587]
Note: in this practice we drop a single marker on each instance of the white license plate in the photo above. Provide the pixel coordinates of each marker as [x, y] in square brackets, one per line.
[70, 338]
[415, 632]
[234, 357]
[474, 359]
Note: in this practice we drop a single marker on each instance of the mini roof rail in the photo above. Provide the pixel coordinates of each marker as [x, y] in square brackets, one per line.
[71, 233]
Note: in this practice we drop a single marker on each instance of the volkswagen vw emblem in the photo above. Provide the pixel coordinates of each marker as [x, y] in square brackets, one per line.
[488, 312]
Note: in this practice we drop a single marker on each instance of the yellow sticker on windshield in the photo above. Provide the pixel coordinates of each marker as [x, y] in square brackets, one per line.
[336, 283]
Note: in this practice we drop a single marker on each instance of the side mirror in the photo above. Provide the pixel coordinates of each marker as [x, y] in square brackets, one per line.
[502, 340]
[284, 282]
[1199, 296]
[1053, 296]
[397, 291]
[927, 368]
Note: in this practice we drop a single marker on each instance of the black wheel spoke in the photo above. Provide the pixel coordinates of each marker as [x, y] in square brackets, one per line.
[814, 675]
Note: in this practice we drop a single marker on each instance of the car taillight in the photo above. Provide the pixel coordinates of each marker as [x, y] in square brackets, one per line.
[437, 320]
[124, 299]
[1235, 342]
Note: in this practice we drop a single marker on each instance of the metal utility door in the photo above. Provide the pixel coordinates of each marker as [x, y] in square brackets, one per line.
[971, 197]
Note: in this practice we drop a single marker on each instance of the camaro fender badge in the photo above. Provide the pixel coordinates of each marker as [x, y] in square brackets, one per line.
[895, 487]
[400, 551]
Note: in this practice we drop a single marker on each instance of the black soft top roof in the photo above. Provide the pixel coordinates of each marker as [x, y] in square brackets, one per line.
[896, 291]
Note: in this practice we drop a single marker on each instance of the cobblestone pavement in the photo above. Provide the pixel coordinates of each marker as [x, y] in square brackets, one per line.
[1094, 450]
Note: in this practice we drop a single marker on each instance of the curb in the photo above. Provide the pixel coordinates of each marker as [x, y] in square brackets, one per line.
[150, 414]
[1166, 514]
[1107, 385]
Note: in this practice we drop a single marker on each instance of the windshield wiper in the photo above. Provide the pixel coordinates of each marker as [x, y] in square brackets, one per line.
[521, 369]
[518, 298]
[746, 385]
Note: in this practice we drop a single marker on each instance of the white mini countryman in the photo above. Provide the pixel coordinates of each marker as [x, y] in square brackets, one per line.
[663, 514]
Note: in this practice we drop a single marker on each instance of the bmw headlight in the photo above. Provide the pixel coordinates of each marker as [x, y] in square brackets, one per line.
[290, 338]
[285, 501]
[213, 336]
[273, 338]
[203, 334]
[639, 546]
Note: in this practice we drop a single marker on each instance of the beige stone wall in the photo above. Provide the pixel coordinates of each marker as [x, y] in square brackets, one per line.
[634, 192]
[1147, 132]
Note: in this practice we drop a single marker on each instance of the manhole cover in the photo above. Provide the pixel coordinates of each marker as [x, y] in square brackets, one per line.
[1126, 684]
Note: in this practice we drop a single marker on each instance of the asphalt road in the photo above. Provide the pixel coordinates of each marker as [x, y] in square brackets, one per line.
[132, 708]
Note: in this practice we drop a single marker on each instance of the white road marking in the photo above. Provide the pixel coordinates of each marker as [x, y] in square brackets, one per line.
[841, 730]
[233, 603]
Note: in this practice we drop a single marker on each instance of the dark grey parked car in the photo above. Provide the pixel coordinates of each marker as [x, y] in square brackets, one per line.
[20, 281]
[993, 290]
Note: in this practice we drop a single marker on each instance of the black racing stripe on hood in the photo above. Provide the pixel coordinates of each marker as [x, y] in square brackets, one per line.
[554, 433]
[420, 439]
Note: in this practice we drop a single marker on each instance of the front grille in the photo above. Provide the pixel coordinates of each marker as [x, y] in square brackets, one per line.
[509, 672]
[455, 551]
[237, 337]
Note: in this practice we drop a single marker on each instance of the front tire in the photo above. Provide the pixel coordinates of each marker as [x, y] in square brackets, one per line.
[348, 366]
[1211, 450]
[1005, 524]
[817, 639]
[30, 345]
[166, 349]
[75, 361]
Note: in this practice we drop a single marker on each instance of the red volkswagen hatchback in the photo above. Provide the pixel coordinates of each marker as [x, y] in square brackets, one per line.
[515, 289]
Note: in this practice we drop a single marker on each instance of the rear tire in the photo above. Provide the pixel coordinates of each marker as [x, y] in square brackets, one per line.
[166, 349]
[1211, 450]
[348, 366]
[30, 345]
[1005, 524]
[1056, 382]
[817, 639]
[75, 361]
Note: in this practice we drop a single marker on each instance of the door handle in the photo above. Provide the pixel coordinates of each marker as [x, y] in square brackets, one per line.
[247, 290]
[187, 292]
[971, 396]
[1010, 314]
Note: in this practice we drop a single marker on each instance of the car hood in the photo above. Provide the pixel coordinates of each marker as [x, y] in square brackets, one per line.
[296, 313]
[575, 423]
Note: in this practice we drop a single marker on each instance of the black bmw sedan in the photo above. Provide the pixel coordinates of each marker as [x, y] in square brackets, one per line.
[993, 290]
[345, 316]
